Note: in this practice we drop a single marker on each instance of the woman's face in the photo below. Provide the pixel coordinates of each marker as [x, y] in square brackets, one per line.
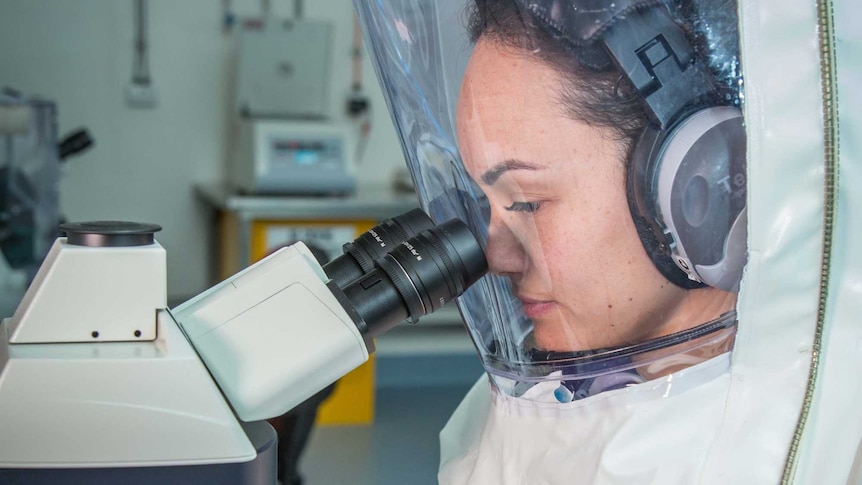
[560, 225]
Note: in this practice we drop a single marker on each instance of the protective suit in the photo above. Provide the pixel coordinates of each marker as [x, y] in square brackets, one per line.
[672, 294]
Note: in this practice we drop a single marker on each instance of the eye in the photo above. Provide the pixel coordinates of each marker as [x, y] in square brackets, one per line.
[524, 206]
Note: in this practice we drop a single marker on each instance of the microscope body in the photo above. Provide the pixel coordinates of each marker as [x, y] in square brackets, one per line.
[99, 381]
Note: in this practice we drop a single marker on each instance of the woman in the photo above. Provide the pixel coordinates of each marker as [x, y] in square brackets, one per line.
[606, 326]
[540, 122]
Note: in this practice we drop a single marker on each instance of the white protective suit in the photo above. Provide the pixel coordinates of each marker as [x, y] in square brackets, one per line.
[783, 405]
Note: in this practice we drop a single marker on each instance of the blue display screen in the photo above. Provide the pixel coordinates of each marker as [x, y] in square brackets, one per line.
[306, 157]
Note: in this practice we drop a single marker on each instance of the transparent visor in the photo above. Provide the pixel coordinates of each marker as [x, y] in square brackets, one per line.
[597, 150]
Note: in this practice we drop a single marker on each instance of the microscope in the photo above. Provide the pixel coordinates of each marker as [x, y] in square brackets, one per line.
[100, 382]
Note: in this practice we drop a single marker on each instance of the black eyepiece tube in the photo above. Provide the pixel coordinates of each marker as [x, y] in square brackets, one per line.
[419, 276]
[360, 255]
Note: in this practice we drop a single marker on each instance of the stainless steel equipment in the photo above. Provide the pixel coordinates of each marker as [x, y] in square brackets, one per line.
[284, 68]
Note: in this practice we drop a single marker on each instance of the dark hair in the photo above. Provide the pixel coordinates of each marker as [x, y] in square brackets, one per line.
[598, 97]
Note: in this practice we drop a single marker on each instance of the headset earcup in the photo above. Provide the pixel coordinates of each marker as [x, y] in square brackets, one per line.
[640, 174]
[696, 190]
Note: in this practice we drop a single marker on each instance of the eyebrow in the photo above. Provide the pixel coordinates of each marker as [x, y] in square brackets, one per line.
[492, 174]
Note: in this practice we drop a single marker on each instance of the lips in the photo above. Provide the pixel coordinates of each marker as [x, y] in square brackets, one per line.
[536, 308]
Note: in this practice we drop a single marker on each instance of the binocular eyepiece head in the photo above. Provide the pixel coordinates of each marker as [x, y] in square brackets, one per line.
[406, 268]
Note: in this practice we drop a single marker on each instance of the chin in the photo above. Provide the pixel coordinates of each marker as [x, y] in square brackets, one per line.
[554, 333]
[557, 335]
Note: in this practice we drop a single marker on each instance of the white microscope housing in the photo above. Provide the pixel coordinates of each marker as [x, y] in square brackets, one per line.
[96, 377]
[100, 382]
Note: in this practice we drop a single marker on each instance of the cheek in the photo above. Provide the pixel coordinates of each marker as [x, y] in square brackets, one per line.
[565, 250]
[598, 213]
[591, 240]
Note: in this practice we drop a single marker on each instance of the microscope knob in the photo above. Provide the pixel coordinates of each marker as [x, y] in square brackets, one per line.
[101, 234]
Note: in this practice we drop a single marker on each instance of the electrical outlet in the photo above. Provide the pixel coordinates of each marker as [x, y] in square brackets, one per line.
[143, 96]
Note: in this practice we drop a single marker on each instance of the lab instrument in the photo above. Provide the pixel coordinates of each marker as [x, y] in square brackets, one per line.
[100, 381]
[293, 157]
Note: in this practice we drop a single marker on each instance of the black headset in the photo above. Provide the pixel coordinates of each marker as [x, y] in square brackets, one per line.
[686, 180]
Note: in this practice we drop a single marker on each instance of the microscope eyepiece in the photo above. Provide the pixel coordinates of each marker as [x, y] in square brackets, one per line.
[360, 256]
[418, 277]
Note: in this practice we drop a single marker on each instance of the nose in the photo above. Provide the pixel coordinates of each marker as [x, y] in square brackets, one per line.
[504, 251]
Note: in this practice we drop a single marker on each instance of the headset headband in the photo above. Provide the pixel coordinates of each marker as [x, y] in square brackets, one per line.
[643, 41]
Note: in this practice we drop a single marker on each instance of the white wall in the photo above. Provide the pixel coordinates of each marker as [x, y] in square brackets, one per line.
[144, 163]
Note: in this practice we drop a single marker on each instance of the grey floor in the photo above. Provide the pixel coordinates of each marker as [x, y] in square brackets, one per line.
[402, 445]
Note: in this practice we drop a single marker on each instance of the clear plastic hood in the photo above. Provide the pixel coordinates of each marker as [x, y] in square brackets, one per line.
[597, 150]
